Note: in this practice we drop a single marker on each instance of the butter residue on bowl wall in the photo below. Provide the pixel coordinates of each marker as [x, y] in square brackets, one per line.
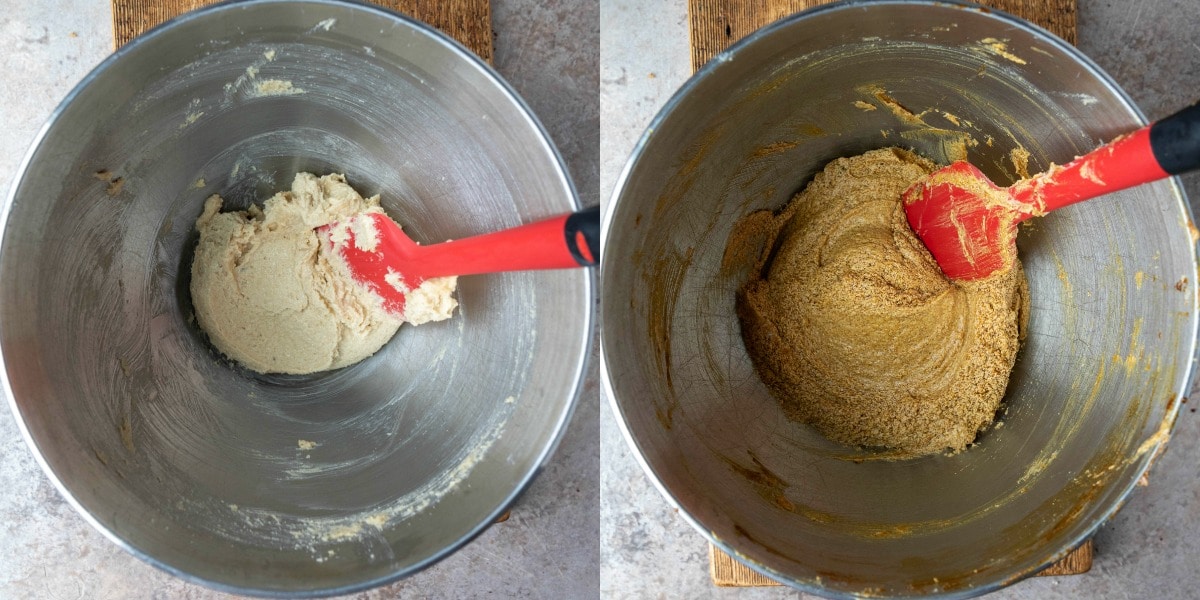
[1000, 48]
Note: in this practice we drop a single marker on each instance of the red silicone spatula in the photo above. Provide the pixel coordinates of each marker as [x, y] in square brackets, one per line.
[570, 240]
[968, 223]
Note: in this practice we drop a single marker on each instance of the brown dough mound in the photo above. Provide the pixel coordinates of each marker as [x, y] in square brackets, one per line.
[855, 329]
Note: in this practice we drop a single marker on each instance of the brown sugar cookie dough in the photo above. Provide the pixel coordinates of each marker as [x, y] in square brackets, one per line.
[857, 332]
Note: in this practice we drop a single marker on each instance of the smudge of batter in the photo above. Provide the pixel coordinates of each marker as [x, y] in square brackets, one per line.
[774, 148]
[948, 145]
[1087, 172]
[1019, 157]
[999, 48]
[274, 87]
[191, 118]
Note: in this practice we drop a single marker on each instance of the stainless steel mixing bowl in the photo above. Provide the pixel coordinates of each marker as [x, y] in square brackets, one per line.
[283, 485]
[1094, 393]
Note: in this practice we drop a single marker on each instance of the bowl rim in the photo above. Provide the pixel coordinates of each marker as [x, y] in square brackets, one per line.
[729, 55]
[565, 181]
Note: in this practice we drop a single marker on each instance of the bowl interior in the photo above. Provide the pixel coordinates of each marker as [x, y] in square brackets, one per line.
[1109, 342]
[268, 483]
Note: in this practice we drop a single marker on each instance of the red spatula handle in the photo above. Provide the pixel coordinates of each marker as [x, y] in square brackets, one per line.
[570, 240]
[1168, 147]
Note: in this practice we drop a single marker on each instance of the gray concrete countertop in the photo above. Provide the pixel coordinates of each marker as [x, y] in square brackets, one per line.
[548, 549]
[1148, 550]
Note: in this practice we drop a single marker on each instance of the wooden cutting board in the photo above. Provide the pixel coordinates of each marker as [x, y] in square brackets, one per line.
[468, 21]
[713, 26]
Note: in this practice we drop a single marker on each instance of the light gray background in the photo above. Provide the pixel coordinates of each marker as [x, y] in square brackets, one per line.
[1150, 550]
[549, 51]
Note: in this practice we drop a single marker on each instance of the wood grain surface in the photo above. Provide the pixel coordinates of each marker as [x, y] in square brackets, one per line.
[714, 25]
[468, 21]
[727, 572]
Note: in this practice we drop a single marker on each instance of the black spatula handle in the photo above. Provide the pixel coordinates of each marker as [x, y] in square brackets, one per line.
[1175, 141]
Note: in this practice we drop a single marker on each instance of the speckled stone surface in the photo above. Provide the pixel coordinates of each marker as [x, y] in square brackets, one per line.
[1149, 550]
[549, 51]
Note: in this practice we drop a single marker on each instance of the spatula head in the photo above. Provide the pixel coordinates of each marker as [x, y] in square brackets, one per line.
[374, 249]
[968, 223]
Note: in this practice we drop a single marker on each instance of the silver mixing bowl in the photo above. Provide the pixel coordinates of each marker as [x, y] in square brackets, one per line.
[1094, 393]
[197, 465]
